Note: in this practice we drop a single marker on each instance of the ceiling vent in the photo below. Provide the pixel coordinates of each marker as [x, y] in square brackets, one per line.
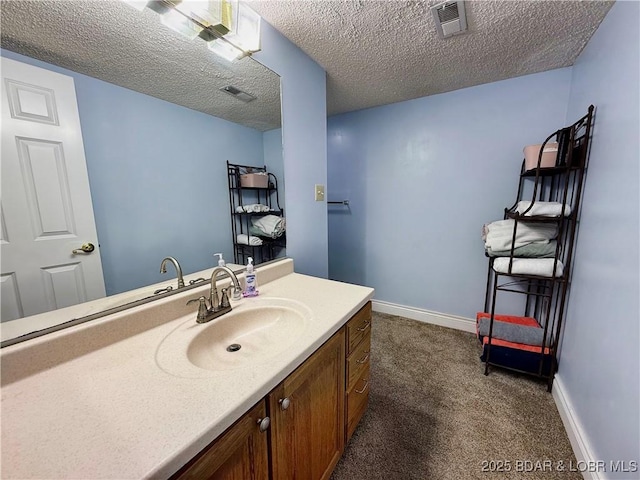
[450, 18]
[237, 93]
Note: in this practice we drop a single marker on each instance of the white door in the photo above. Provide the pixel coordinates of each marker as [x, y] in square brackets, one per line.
[45, 207]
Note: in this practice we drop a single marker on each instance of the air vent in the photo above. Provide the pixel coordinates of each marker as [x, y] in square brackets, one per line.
[450, 18]
[237, 93]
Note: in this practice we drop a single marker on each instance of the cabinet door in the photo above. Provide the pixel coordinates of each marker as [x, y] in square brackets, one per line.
[239, 454]
[307, 416]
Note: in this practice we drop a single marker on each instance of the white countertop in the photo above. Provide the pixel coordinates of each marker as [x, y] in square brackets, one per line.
[112, 412]
[22, 326]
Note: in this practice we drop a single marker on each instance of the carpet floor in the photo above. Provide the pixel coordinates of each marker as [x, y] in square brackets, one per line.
[433, 414]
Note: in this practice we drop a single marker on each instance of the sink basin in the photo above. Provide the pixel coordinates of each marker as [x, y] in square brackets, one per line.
[254, 331]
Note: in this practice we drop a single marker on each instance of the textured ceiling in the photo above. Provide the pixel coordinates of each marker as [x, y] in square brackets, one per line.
[377, 52]
[114, 42]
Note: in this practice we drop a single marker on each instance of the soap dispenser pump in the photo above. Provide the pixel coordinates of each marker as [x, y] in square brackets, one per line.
[250, 280]
[221, 262]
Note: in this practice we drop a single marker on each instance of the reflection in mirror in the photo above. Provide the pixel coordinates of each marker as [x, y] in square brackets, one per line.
[156, 133]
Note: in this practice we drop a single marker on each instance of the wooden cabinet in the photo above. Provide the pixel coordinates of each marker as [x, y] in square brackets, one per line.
[240, 453]
[358, 345]
[307, 416]
[312, 413]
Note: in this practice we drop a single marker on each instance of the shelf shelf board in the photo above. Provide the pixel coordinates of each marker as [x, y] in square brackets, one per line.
[548, 171]
[254, 214]
[532, 277]
[252, 188]
[536, 218]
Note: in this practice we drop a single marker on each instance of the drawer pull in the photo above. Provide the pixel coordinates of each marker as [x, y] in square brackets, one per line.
[363, 359]
[364, 327]
[366, 384]
[264, 423]
[284, 403]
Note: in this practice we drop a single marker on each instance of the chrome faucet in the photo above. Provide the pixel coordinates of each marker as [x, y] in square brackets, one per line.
[219, 305]
[163, 269]
[222, 303]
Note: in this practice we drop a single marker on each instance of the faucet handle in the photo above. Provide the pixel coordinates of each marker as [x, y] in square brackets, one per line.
[202, 308]
[224, 301]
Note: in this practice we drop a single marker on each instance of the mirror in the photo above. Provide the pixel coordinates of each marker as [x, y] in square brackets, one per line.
[157, 133]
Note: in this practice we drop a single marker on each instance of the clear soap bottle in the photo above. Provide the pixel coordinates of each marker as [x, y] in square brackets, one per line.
[250, 281]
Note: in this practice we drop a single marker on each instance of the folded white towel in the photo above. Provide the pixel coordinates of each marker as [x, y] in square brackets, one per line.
[248, 240]
[270, 225]
[498, 235]
[544, 209]
[542, 267]
[252, 208]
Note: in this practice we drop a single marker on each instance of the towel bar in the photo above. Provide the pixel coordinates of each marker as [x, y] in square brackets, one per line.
[341, 202]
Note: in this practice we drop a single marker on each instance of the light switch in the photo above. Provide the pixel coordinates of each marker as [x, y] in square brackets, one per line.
[319, 193]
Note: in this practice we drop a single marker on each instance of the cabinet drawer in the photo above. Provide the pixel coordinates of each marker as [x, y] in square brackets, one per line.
[357, 400]
[358, 327]
[358, 361]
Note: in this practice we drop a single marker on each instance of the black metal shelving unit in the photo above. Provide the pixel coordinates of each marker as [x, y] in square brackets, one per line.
[241, 222]
[546, 296]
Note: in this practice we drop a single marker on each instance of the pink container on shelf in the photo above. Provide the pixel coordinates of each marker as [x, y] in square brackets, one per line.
[254, 180]
[532, 152]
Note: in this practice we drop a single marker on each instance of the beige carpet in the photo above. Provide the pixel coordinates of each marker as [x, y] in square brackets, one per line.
[434, 415]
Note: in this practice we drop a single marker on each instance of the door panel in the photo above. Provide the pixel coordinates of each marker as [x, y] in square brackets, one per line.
[46, 201]
[307, 437]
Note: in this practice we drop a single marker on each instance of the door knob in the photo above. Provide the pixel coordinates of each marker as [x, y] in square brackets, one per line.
[85, 248]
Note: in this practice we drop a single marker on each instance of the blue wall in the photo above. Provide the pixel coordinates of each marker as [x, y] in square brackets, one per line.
[600, 367]
[272, 142]
[423, 176]
[158, 179]
[304, 140]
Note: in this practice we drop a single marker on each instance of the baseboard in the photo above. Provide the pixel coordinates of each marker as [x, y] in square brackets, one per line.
[575, 432]
[426, 316]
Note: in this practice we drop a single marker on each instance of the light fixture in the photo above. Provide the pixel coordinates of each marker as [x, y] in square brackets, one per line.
[137, 4]
[211, 14]
[176, 21]
[225, 49]
[245, 32]
[230, 27]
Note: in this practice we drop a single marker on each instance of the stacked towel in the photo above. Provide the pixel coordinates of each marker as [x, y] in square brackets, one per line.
[498, 235]
[543, 209]
[253, 207]
[511, 332]
[270, 226]
[542, 267]
[530, 250]
[248, 240]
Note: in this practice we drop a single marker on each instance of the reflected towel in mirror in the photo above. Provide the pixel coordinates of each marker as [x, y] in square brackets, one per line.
[245, 239]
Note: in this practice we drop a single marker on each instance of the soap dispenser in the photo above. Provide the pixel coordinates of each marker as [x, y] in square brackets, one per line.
[221, 262]
[250, 281]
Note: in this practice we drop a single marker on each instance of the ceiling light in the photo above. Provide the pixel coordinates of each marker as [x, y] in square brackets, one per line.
[226, 50]
[181, 24]
[245, 33]
[211, 14]
[231, 28]
[137, 4]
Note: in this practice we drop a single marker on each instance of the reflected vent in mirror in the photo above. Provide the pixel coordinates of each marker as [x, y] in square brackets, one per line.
[237, 93]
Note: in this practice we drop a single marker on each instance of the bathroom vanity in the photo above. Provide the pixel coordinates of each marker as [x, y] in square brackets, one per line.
[137, 395]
